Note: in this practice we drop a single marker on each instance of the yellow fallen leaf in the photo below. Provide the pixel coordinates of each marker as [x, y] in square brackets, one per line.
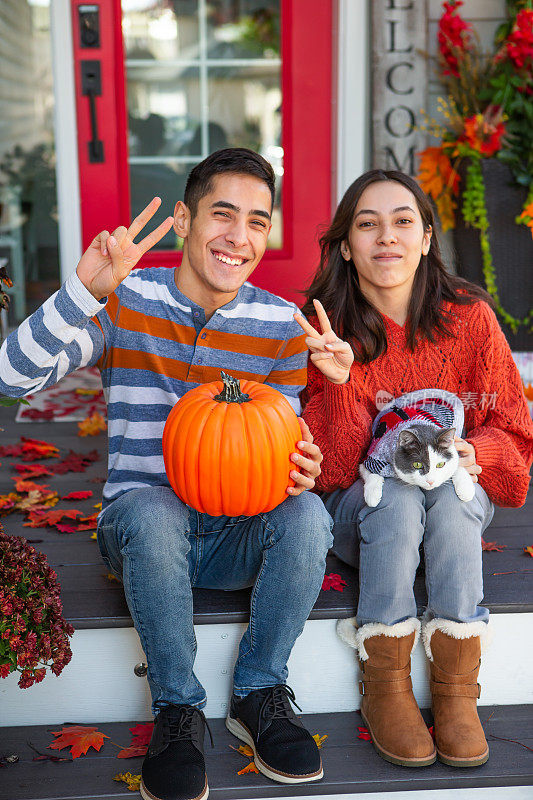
[133, 781]
[246, 751]
[111, 577]
[320, 739]
[93, 535]
[529, 551]
[91, 426]
[248, 768]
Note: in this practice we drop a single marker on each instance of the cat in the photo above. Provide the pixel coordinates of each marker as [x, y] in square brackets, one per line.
[413, 441]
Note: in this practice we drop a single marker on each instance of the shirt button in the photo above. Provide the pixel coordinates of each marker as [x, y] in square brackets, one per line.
[203, 335]
[196, 313]
[199, 360]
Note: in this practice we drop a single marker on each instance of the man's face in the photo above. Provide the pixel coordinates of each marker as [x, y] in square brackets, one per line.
[226, 239]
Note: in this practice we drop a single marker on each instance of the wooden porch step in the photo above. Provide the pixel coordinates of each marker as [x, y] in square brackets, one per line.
[351, 765]
[91, 600]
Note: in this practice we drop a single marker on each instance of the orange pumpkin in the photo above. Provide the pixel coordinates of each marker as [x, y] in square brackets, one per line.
[227, 447]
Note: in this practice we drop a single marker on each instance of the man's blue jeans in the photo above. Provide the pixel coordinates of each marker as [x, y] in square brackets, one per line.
[384, 542]
[160, 548]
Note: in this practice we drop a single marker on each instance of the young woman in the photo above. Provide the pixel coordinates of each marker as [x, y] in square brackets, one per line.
[392, 320]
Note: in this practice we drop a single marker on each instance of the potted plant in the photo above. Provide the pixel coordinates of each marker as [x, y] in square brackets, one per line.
[33, 633]
[480, 174]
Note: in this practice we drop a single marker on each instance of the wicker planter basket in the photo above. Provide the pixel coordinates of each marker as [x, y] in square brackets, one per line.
[511, 247]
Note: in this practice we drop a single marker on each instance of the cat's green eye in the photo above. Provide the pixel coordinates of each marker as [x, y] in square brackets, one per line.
[440, 464]
[417, 465]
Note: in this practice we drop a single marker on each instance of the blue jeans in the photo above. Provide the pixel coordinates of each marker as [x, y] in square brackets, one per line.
[385, 542]
[160, 548]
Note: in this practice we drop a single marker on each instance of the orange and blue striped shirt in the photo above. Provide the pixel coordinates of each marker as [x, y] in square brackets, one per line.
[152, 344]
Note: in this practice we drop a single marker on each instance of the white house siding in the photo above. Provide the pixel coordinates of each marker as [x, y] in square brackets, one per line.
[25, 80]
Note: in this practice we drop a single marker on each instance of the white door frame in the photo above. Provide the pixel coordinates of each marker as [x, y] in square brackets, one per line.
[66, 138]
[353, 92]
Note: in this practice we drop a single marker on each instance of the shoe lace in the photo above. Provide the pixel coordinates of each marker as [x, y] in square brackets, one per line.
[181, 727]
[276, 703]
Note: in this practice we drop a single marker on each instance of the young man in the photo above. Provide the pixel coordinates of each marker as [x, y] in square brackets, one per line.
[156, 333]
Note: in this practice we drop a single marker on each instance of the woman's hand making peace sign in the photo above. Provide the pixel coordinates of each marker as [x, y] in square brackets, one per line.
[110, 259]
[331, 355]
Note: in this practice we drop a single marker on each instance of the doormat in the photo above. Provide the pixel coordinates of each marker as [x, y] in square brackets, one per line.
[72, 399]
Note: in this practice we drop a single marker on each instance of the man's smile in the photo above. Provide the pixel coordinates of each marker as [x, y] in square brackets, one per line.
[233, 261]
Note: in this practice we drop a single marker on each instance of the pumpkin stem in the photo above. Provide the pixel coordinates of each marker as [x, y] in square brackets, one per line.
[231, 393]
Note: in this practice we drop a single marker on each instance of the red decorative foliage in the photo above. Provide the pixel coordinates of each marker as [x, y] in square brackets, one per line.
[454, 37]
[519, 43]
[33, 633]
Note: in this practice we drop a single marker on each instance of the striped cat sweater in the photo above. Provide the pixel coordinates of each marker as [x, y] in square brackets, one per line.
[475, 364]
[152, 344]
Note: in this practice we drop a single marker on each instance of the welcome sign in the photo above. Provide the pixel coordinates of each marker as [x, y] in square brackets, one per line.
[399, 82]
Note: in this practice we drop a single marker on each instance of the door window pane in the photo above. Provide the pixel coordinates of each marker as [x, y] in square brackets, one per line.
[202, 75]
[28, 200]
[160, 30]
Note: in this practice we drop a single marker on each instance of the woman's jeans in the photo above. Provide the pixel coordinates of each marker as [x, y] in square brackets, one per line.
[160, 548]
[387, 539]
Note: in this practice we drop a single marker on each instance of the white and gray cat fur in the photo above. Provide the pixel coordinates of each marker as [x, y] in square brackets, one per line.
[433, 452]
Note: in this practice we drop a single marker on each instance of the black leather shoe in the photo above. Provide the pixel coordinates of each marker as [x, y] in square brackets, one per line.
[174, 765]
[283, 749]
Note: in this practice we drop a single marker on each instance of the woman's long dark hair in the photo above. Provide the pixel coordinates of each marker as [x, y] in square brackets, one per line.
[336, 283]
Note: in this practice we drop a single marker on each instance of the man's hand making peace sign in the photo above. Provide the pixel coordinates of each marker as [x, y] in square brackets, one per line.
[331, 355]
[110, 258]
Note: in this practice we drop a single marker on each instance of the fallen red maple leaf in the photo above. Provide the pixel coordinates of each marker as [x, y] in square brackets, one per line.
[33, 449]
[333, 581]
[11, 450]
[78, 495]
[364, 734]
[492, 546]
[139, 744]
[133, 751]
[79, 738]
[40, 518]
[37, 413]
[66, 528]
[75, 462]
[31, 470]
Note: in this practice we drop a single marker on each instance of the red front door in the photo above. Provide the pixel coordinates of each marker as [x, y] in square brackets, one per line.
[161, 83]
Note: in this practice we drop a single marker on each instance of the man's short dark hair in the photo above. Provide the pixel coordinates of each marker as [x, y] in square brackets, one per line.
[237, 160]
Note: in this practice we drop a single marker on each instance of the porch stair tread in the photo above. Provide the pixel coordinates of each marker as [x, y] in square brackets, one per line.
[350, 764]
[91, 600]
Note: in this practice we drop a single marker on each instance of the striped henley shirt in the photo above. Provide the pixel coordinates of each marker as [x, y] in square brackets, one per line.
[152, 344]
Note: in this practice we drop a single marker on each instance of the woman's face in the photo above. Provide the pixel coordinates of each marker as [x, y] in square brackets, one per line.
[387, 238]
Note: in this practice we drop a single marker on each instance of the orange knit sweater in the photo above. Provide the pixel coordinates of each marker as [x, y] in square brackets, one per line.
[476, 364]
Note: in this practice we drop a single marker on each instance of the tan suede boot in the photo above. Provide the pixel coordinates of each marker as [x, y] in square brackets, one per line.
[389, 709]
[454, 650]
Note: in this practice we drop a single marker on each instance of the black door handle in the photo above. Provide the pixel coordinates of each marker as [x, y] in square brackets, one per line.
[91, 87]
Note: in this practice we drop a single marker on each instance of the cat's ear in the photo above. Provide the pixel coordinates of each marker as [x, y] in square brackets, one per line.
[408, 439]
[446, 437]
